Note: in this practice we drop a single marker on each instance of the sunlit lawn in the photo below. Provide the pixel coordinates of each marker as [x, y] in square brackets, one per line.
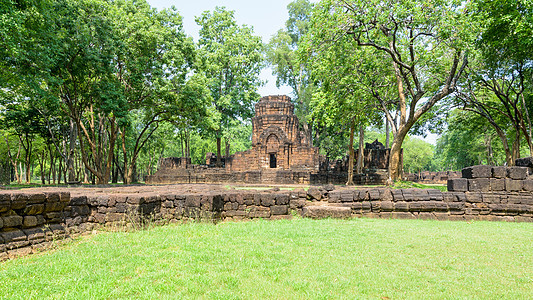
[301, 258]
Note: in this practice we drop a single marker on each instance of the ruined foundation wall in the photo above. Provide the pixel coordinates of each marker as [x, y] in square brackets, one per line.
[30, 221]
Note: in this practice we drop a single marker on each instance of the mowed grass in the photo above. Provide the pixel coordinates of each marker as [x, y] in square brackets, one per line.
[296, 259]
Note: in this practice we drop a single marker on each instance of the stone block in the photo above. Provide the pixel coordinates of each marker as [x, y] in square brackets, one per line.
[334, 197]
[401, 206]
[279, 210]
[268, 199]
[78, 200]
[386, 195]
[458, 185]
[314, 193]
[456, 206]
[320, 212]
[29, 221]
[34, 209]
[479, 171]
[259, 212]
[375, 206]
[12, 220]
[347, 196]
[479, 185]
[528, 185]
[387, 206]
[54, 206]
[192, 201]
[499, 172]
[361, 195]
[517, 173]
[397, 195]
[14, 238]
[18, 200]
[374, 194]
[5, 201]
[512, 185]
[282, 199]
[403, 215]
[136, 199]
[497, 184]
[34, 235]
[524, 162]
[435, 195]
[473, 197]
[408, 194]
[329, 187]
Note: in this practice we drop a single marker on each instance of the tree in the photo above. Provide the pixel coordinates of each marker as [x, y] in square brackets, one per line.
[288, 69]
[155, 67]
[339, 71]
[500, 77]
[231, 57]
[422, 43]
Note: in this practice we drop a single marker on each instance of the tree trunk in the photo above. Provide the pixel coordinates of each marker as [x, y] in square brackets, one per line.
[350, 154]
[360, 156]
[395, 158]
[387, 133]
[227, 149]
[219, 153]
[73, 132]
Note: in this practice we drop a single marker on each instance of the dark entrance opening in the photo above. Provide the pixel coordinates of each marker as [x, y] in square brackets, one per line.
[272, 160]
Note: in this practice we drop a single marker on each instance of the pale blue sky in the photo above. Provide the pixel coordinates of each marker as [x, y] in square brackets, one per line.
[266, 17]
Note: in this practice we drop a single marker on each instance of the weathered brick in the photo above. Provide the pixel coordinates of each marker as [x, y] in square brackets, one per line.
[282, 199]
[12, 220]
[387, 206]
[268, 200]
[401, 206]
[473, 197]
[29, 221]
[499, 172]
[34, 209]
[497, 184]
[279, 210]
[517, 173]
[479, 185]
[479, 171]
[458, 185]
[512, 185]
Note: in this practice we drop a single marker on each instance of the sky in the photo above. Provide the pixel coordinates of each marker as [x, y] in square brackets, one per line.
[266, 17]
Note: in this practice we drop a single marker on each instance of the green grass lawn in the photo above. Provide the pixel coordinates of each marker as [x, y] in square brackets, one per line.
[301, 258]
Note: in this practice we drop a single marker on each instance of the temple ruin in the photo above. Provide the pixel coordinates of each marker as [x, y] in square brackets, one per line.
[281, 153]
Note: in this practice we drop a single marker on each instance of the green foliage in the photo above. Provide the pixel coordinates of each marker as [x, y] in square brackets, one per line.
[231, 57]
[417, 155]
[468, 141]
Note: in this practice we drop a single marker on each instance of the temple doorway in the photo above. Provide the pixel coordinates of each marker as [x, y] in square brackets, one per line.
[273, 163]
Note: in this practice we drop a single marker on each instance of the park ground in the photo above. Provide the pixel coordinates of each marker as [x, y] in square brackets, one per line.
[285, 259]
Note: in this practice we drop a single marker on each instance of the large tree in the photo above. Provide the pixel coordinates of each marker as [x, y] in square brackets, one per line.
[498, 87]
[231, 59]
[288, 69]
[423, 43]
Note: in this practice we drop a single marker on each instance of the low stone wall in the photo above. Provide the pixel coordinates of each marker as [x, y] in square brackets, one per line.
[495, 179]
[431, 204]
[32, 219]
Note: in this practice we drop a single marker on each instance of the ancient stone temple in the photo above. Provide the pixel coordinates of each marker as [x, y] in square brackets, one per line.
[280, 153]
[277, 141]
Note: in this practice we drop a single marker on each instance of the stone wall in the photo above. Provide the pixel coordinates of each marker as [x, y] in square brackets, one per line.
[32, 219]
[429, 204]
